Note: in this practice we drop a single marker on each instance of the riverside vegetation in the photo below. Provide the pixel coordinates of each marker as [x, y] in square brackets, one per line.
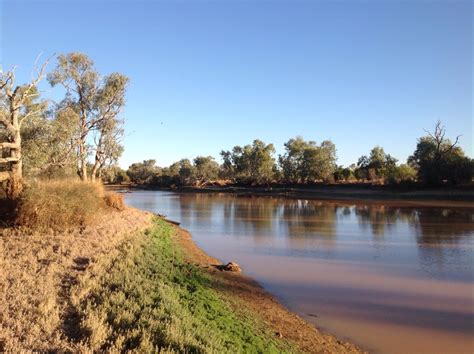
[436, 161]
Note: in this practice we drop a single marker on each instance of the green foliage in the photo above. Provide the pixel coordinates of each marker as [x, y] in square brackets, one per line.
[227, 167]
[205, 169]
[95, 104]
[185, 171]
[110, 100]
[48, 143]
[404, 173]
[253, 164]
[438, 160]
[319, 163]
[114, 174]
[291, 162]
[143, 172]
[152, 301]
[307, 162]
[343, 174]
[378, 165]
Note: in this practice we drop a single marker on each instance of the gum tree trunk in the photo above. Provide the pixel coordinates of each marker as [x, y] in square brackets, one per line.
[15, 183]
[16, 98]
[14, 177]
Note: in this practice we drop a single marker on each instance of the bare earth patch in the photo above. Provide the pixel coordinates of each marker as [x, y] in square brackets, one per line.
[37, 272]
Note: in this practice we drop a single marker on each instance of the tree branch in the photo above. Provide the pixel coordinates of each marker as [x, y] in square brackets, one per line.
[29, 114]
[9, 146]
[35, 81]
[5, 175]
[9, 159]
[452, 145]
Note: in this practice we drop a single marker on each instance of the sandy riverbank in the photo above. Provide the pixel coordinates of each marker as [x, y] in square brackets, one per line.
[248, 292]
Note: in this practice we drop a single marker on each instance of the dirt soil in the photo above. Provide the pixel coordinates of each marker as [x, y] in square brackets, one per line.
[39, 271]
[249, 293]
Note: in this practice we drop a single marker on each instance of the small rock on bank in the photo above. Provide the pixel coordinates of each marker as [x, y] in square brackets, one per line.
[231, 267]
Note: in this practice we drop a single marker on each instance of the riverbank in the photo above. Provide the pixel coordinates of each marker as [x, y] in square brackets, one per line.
[248, 297]
[133, 282]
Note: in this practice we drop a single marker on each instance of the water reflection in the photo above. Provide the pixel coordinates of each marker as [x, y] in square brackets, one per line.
[377, 217]
[305, 218]
[443, 226]
[256, 216]
[308, 218]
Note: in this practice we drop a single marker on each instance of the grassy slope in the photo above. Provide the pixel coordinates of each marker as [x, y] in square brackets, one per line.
[151, 298]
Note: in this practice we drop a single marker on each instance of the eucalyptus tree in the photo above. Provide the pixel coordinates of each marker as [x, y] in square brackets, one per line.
[319, 162]
[306, 161]
[143, 172]
[205, 169]
[377, 165]
[437, 159]
[251, 163]
[109, 103]
[227, 166]
[18, 104]
[49, 143]
[185, 171]
[291, 163]
[108, 147]
[93, 100]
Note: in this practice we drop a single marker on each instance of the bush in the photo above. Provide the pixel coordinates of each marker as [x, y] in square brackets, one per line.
[404, 173]
[114, 200]
[60, 204]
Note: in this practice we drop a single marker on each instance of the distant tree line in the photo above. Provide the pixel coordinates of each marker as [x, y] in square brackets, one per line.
[436, 160]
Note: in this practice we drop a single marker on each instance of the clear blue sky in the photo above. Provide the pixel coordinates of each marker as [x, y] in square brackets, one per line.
[208, 75]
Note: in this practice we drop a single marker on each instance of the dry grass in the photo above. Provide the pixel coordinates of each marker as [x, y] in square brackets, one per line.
[60, 204]
[114, 200]
[39, 272]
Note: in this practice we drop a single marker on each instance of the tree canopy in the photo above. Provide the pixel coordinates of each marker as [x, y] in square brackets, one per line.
[253, 164]
[378, 165]
[95, 104]
[306, 161]
[439, 160]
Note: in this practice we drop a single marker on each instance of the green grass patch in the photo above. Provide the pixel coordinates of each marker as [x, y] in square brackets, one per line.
[152, 300]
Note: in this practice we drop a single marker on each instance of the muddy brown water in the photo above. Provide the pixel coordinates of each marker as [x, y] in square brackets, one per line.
[390, 278]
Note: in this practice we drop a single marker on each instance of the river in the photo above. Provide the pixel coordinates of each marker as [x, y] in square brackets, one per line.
[389, 277]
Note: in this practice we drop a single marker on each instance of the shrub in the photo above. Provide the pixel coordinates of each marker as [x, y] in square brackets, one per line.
[404, 173]
[60, 204]
[114, 200]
